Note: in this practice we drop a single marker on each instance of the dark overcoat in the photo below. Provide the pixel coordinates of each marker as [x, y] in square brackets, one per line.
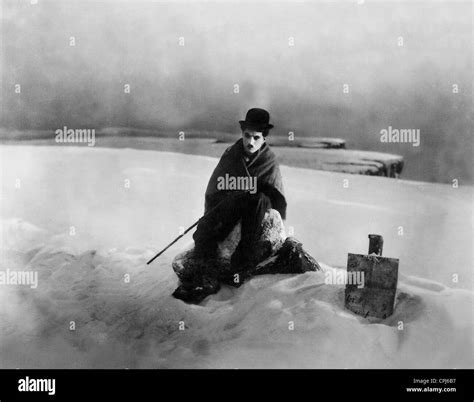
[264, 166]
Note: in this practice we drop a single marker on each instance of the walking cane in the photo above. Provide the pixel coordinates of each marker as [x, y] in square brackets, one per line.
[188, 229]
[174, 241]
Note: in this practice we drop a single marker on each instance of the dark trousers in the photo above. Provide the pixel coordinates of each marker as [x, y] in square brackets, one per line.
[216, 226]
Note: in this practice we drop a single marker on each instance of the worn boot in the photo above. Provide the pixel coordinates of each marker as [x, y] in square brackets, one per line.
[195, 293]
[291, 258]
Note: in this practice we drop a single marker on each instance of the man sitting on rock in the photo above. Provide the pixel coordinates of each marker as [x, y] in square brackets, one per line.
[245, 185]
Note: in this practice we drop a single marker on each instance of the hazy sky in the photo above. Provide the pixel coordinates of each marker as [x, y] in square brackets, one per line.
[248, 44]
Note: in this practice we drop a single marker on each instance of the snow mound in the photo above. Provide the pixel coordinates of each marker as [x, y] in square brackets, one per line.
[98, 304]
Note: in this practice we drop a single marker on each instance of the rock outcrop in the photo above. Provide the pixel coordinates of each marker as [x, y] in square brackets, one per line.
[273, 253]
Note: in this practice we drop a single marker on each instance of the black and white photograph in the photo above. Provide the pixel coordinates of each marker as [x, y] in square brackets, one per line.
[236, 185]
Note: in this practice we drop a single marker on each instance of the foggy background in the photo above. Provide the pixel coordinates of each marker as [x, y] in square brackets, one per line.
[226, 43]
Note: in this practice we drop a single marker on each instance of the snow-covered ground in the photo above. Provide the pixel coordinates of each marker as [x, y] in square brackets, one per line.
[87, 220]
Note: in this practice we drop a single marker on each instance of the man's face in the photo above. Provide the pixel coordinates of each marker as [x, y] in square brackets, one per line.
[252, 140]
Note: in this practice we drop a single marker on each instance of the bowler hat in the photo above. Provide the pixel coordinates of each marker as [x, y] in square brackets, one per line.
[257, 119]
